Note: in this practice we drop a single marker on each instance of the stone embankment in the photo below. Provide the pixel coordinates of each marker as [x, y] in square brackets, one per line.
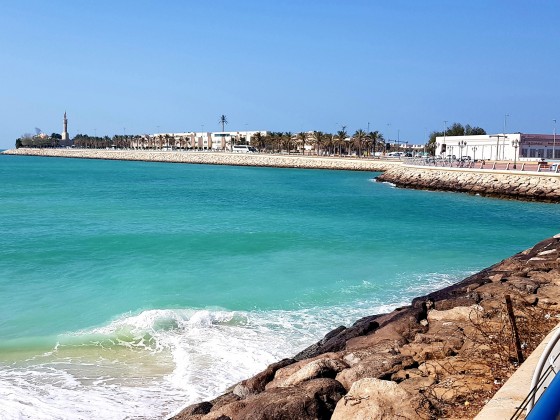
[533, 186]
[215, 158]
[443, 356]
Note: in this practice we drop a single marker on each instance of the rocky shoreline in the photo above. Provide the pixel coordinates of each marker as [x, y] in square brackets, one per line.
[444, 355]
[215, 158]
[528, 186]
[518, 185]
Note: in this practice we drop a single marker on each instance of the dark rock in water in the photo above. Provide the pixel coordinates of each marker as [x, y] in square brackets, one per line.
[313, 399]
[258, 382]
[336, 339]
[194, 410]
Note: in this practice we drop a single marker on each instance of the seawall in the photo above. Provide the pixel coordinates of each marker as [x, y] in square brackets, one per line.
[215, 158]
[529, 186]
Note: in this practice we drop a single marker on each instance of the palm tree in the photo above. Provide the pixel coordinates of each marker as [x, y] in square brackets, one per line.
[302, 136]
[318, 139]
[223, 121]
[258, 141]
[330, 143]
[381, 141]
[359, 137]
[340, 139]
[374, 138]
[287, 140]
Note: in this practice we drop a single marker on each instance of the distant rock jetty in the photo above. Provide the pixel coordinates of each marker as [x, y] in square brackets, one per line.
[215, 158]
[528, 186]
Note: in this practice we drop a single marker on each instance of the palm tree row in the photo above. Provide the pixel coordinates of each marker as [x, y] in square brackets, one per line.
[360, 143]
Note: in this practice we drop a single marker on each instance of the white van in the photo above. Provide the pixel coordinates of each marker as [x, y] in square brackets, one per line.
[244, 148]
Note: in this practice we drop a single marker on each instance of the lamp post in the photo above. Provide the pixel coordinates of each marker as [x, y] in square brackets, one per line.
[554, 141]
[474, 153]
[498, 143]
[444, 131]
[462, 145]
[515, 144]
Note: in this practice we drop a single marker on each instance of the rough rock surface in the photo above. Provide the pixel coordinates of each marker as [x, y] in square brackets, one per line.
[533, 186]
[371, 398]
[442, 356]
[214, 158]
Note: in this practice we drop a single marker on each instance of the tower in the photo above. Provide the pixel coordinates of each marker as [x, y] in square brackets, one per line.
[65, 135]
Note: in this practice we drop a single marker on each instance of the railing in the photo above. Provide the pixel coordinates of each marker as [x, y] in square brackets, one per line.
[543, 395]
[482, 164]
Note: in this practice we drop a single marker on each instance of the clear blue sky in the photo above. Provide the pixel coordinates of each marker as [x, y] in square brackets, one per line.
[284, 65]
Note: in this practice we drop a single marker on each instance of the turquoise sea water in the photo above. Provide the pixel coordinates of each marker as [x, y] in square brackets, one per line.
[133, 288]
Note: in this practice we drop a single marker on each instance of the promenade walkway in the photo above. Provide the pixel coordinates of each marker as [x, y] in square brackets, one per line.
[530, 166]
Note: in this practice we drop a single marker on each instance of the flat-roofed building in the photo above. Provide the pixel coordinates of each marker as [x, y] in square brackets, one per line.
[509, 146]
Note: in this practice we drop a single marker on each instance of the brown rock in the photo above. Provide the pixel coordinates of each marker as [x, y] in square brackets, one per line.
[321, 368]
[371, 398]
[314, 399]
[376, 366]
[258, 382]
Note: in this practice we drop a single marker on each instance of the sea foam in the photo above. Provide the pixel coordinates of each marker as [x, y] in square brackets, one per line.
[150, 364]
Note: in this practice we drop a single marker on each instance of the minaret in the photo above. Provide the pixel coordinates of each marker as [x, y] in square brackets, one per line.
[65, 135]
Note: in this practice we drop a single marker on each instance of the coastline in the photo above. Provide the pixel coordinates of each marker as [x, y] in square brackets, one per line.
[446, 354]
[216, 158]
[399, 325]
[516, 185]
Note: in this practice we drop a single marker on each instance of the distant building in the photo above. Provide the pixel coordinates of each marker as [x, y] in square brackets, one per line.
[500, 146]
[195, 140]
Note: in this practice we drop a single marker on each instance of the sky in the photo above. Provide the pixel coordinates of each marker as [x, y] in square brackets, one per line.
[400, 67]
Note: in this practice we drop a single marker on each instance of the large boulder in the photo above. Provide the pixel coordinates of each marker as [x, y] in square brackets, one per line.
[311, 400]
[371, 398]
[376, 366]
[258, 382]
[321, 368]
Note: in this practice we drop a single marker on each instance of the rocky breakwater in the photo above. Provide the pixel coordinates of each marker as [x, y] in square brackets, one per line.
[445, 355]
[531, 186]
[215, 158]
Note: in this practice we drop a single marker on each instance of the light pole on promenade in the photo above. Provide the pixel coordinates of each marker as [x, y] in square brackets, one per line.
[474, 153]
[444, 131]
[504, 133]
[462, 145]
[498, 136]
[554, 140]
[515, 144]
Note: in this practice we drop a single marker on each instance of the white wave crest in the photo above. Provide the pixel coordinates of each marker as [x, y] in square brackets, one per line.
[150, 364]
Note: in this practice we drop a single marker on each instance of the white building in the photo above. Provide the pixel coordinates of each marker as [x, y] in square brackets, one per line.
[500, 146]
[197, 140]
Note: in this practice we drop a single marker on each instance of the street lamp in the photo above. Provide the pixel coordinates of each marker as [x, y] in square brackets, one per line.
[444, 130]
[462, 145]
[554, 141]
[515, 144]
[474, 153]
[498, 144]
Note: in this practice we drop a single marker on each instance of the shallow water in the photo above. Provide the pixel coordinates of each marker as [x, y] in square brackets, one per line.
[133, 288]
